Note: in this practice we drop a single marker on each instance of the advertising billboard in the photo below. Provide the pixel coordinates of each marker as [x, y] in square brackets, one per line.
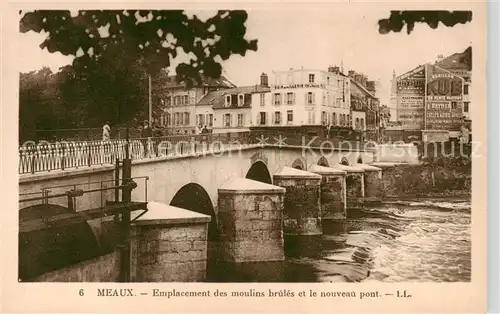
[443, 103]
[410, 99]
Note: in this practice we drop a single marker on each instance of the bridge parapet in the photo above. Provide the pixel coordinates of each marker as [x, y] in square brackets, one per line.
[51, 156]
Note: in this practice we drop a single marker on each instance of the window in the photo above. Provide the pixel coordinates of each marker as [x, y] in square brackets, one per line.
[334, 118]
[227, 103]
[327, 80]
[241, 119]
[185, 99]
[349, 123]
[262, 99]
[290, 98]
[323, 117]
[310, 98]
[227, 120]
[466, 89]
[247, 100]
[186, 118]
[262, 120]
[289, 116]
[169, 119]
[362, 123]
[210, 120]
[241, 100]
[337, 102]
[466, 106]
[277, 99]
[311, 78]
[454, 105]
[277, 117]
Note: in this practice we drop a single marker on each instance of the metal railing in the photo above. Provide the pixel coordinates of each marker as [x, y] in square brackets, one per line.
[52, 156]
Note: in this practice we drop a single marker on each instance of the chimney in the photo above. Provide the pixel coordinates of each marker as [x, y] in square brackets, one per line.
[264, 80]
[370, 86]
[351, 74]
[334, 69]
[363, 80]
[440, 58]
[357, 78]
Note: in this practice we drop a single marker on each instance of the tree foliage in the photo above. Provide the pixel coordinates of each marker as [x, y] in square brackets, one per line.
[148, 38]
[398, 19]
[115, 52]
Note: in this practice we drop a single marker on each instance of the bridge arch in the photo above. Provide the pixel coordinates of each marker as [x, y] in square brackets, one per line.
[298, 164]
[45, 250]
[194, 197]
[323, 162]
[259, 156]
[259, 172]
[344, 161]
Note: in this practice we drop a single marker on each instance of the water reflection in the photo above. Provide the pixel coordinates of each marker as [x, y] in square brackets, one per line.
[412, 241]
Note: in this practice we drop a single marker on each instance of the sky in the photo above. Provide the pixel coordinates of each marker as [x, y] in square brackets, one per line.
[315, 39]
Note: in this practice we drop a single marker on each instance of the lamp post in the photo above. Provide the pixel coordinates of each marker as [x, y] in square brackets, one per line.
[150, 102]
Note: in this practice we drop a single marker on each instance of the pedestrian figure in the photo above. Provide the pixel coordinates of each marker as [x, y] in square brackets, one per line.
[106, 131]
[146, 135]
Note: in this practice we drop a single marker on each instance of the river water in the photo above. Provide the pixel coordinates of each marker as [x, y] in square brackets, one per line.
[421, 241]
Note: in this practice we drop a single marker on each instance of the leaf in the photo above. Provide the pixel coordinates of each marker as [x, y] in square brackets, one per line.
[398, 19]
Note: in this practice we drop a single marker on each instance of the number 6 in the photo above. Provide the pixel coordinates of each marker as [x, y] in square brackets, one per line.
[81, 292]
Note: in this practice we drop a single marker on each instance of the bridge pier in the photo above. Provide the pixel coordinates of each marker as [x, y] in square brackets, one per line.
[355, 185]
[251, 221]
[333, 192]
[302, 207]
[388, 179]
[372, 183]
[169, 244]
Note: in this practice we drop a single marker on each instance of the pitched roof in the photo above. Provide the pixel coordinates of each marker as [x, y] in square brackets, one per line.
[461, 60]
[170, 81]
[216, 98]
[362, 89]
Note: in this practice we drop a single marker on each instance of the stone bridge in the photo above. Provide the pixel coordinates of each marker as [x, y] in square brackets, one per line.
[331, 180]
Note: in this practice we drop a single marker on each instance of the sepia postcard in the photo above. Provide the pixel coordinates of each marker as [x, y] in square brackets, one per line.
[244, 157]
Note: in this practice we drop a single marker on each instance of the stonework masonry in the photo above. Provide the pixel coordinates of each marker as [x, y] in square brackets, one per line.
[388, 179]
[170, 249]
[251, 221]
[333, 192]
[302, 206]
[372, 183]
[104, 268]
[355, 186]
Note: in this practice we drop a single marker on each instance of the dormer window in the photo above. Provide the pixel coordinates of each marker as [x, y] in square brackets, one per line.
[227, 102]
[311, 78]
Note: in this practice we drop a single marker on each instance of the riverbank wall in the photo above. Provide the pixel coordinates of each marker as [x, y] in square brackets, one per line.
[432, 177]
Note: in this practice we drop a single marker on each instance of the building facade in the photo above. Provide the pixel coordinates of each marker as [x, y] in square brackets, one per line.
[233, 107]
[178, 109]
[460, 64]
[363, 91]
[434, 99]
[304, 97]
